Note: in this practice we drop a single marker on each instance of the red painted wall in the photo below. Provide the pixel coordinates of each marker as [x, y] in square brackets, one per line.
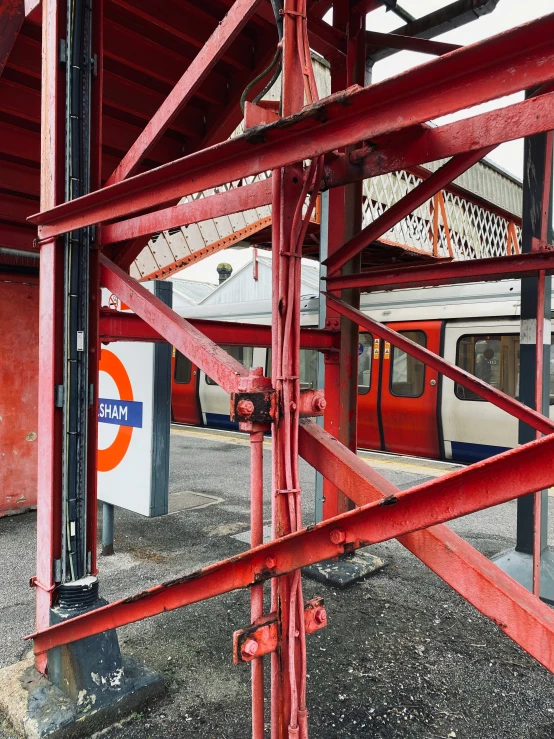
[18, 392]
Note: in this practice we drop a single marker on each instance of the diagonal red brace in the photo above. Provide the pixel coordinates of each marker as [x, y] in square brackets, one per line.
[12, 16]
[528, 468]
[403, 207]
[484, 390]
[522, 616]
[222, 203]
[195, 74]
[209, 357]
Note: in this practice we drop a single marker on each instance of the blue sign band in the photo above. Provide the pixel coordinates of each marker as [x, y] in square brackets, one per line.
[120, 412]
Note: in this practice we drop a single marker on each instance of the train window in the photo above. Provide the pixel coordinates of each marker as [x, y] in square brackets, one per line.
[308, 368]
[243, 354]
[183, 368]
[407, 373]
[365, 353]
[493, 359]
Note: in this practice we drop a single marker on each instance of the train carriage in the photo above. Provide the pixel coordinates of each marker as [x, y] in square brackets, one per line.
[403, 406]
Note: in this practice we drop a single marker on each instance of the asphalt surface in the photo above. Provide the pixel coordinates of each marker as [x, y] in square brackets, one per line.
[403, 655]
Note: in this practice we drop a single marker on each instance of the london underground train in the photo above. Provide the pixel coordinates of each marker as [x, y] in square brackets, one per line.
[404, 407]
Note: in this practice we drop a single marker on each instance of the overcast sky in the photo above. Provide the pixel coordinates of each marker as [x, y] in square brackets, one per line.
[508, 13]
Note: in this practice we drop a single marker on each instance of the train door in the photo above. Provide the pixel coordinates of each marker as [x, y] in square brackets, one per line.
[184, 395]
[369, 436]
[409, 394]
[473, 428]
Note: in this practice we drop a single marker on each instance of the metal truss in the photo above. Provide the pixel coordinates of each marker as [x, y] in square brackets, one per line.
[358, 132]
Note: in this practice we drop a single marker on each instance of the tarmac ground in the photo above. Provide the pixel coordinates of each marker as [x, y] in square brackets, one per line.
[403, 655]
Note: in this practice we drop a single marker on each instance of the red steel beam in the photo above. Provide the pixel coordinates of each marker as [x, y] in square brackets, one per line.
[420, 144]
[201, 66]
[186, 21]
[403, 207]
[409, 43]
[50, 356]
[528, 468]
[223, 203]
[484, 390]
[14, 236]
[191, 342]
[12, 15]
[524, 618]
[450, 273]
[120, 326]
[515, 60]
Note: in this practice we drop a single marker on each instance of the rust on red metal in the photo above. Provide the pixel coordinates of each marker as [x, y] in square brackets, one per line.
[256, 407]
[266, 111]
[262, 637]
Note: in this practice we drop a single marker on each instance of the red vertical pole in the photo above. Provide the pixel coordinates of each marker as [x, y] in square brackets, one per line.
[345, 220]
[288, 714]
[275, 473]
[257, 591]
[50, 324]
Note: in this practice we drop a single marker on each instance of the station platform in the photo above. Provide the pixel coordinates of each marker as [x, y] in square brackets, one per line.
[403, 656]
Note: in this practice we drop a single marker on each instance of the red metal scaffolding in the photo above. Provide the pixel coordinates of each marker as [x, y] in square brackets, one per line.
[362, 130]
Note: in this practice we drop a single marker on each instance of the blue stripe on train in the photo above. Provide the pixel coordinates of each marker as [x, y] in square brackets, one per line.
[462, 451]
[221, 421]
[465, 452]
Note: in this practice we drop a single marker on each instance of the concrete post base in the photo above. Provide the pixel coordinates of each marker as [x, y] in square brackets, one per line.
[36, 708]
[519, 566]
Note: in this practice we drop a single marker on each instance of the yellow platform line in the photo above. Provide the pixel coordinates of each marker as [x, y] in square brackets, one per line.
[421, 469]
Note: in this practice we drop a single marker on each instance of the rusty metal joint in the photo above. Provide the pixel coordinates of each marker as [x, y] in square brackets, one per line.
[255, 407]
[312, 403]
[262, 637]
[358, 155]
[538, 245]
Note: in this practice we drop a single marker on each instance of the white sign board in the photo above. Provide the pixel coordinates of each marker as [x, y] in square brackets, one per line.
[133, 410]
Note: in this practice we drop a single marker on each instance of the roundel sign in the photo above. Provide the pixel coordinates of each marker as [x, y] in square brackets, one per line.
[124, 412]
